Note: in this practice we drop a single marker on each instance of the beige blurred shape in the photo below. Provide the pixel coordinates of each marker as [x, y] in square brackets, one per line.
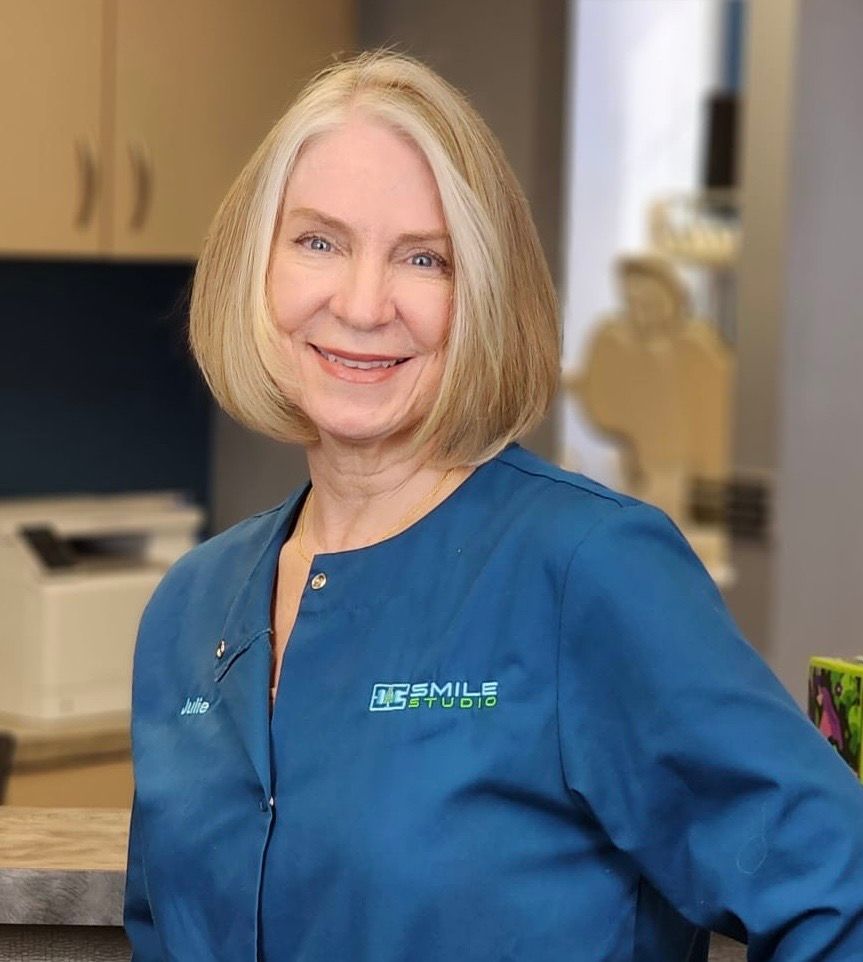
[659, 382]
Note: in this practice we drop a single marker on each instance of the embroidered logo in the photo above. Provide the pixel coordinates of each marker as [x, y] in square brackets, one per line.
[196, 707]
[398, 696]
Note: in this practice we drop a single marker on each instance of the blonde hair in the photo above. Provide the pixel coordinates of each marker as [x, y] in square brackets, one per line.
[502, 359]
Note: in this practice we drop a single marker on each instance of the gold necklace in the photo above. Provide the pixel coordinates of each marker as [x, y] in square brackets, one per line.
[397, 526]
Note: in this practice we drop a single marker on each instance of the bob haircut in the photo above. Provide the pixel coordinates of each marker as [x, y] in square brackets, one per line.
[502, 361]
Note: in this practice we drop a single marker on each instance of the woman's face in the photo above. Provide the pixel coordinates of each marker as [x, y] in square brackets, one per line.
[360, 283]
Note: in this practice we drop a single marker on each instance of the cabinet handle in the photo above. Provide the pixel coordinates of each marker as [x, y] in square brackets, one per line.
[89, 179]
[143, 179]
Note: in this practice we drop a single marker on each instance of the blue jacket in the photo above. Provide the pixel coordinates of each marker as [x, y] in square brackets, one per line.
[525, 729]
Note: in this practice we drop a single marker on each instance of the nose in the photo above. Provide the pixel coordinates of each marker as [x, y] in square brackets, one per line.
[363, 296]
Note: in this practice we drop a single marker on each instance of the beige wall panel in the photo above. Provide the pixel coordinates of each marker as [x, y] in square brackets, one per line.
[768, 121]
[198, 85]
[50, 96]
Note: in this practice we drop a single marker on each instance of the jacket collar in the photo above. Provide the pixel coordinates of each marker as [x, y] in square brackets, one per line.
[242, 654]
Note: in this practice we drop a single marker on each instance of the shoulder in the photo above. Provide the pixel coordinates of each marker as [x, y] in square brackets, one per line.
[571, 484]
[561, 497]
[572, 518]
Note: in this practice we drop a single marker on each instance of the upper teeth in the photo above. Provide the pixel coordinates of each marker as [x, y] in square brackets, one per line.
[362, 365]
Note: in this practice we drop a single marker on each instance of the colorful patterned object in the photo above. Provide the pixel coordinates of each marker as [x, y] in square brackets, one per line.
[835, 698]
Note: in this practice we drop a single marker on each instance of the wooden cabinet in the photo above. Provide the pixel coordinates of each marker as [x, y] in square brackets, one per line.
[198, 84]
[51, 54]
[130, 119]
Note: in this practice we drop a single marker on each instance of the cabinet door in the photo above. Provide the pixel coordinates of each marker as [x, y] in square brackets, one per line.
[199, 84]
[51, 181]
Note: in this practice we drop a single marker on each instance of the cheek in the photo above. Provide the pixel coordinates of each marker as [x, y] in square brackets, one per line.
[432, 317]
[295, 296]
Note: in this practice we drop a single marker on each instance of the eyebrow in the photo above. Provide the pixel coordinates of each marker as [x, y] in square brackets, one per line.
[335, 224]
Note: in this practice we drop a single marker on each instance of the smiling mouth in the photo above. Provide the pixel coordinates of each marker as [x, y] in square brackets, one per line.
[360, 364]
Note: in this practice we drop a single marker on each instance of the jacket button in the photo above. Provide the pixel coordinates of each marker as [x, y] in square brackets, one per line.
[319, 580]
[220, 648]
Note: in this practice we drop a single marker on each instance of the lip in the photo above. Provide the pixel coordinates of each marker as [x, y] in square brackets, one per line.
[352, 356]
[354, 375]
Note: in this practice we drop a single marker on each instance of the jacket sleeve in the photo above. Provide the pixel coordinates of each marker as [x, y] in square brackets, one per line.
[695, 759]
[137, 917]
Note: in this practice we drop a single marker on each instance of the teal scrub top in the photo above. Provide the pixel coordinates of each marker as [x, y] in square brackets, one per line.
[525, 729]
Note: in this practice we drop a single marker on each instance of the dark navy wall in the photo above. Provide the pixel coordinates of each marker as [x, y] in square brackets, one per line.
[733, 52]
[97, 389]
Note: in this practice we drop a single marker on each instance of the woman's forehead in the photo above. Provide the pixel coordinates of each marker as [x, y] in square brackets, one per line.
[365, 166]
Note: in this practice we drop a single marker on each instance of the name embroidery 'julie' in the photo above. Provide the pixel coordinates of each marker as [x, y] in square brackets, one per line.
[197, 707]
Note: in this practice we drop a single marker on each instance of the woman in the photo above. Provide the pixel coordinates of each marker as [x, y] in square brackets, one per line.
[446, 700]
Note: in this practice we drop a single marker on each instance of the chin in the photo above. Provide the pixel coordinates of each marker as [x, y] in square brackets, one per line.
[364, 431]
[360, 436]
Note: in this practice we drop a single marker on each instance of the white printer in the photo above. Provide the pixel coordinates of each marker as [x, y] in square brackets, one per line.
[75, 575]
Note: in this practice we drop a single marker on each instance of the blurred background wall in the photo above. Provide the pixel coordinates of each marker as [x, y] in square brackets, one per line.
[800, 416]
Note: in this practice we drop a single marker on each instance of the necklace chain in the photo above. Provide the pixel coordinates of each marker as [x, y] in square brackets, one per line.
[391, 531]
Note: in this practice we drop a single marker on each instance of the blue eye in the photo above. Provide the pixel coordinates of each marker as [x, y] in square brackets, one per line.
[436, 260]
[319, 239]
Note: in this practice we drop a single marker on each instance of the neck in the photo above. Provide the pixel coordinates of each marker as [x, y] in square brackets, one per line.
[362, 493]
